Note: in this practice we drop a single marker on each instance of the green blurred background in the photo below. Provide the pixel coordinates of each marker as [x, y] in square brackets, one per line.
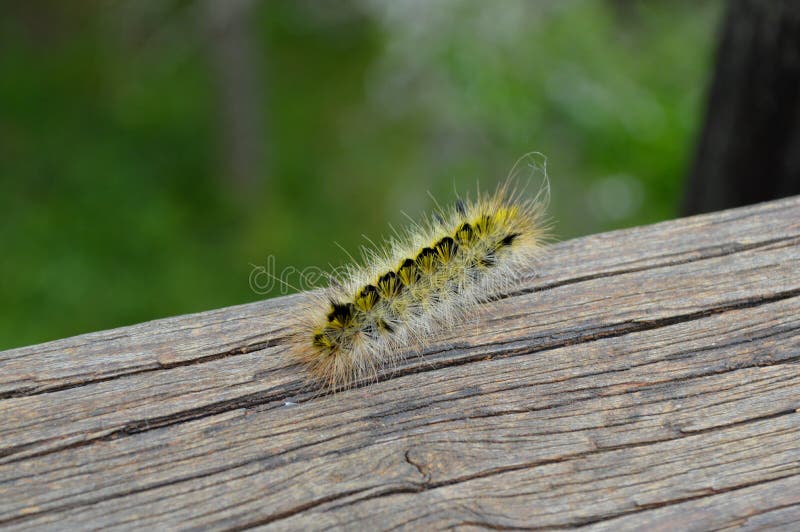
[153, 151]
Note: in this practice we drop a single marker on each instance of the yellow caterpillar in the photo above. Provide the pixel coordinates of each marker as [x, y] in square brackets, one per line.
[421, 282]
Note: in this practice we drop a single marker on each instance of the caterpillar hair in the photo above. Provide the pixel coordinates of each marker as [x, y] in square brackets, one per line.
[421, 282]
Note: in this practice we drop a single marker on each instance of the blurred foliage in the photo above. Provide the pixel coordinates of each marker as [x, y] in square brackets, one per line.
[115, 204]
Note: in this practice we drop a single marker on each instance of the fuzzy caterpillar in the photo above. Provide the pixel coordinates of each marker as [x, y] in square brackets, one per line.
[420, 282]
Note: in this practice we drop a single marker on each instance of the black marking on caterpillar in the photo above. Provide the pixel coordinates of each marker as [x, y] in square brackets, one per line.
[422, 282]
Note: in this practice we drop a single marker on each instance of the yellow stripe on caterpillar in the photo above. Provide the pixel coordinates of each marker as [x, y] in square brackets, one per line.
[425, 281]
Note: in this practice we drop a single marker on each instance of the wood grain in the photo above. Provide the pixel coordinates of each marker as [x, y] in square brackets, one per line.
[642, 378]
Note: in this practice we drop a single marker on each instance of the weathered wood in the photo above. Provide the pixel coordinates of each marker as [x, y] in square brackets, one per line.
[644, 377]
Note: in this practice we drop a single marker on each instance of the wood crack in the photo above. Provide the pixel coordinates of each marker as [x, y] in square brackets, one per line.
[243, 350]
[614, 330]
[706, 253]
[266, 397]
[663, 504]
[427, 485]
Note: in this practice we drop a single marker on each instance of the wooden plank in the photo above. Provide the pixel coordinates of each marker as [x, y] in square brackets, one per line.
[642, 376]
[186, 340]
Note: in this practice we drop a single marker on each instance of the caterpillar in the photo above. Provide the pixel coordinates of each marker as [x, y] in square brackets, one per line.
[421, 282]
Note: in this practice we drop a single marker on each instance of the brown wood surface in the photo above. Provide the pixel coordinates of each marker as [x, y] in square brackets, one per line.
[646, 377]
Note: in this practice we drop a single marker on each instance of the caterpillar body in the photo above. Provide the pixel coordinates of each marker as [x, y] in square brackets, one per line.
[419, 283]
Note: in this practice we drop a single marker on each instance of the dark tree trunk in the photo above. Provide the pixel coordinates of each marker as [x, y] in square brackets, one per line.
[749, 147]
